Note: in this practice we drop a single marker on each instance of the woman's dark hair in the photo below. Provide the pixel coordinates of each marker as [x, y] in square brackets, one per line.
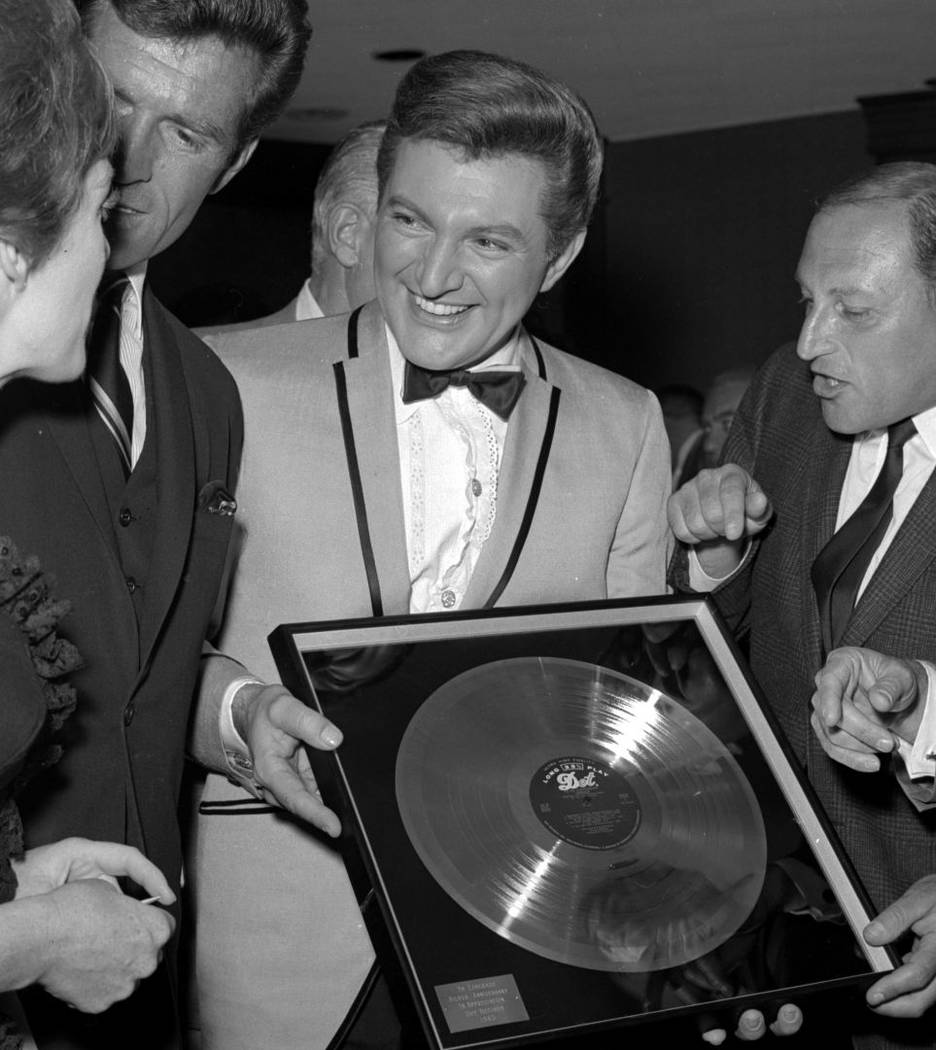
[56, 120]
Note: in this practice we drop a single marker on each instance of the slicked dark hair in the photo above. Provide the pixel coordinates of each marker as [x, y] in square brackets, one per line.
[56, 121]
[910, 181]
[277, 31]
[488, 106]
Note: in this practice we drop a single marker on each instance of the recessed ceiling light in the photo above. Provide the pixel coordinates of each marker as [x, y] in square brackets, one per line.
[402, 54]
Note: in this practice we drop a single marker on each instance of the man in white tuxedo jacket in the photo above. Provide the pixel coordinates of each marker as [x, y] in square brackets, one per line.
[422, 454]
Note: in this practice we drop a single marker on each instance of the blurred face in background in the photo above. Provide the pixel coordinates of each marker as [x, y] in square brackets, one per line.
[721, 403]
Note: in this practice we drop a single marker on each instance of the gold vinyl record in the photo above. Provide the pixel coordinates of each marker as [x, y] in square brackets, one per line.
[581, 814]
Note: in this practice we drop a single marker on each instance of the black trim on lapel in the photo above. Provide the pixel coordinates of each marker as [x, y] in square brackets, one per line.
[353, 333]
[819, 486]
[357, 489]
[540, 363]
[533, 498]
[354, 469]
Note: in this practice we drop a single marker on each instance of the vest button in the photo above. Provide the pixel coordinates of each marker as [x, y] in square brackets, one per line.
[448, 599]
[131, 584]
[124, 517]
[475, 488]
[129, 712]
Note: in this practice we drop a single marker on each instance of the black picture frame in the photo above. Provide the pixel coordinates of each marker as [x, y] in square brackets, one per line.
[469, 983]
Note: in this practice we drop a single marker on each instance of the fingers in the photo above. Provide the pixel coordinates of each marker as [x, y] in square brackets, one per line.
[911, 989]
[835, 683]
[847, 749]
[751, 1026]
[725, 503]
[290, 716]
[789, 1020]
[302, 798]
[915, 908]
[115, 859]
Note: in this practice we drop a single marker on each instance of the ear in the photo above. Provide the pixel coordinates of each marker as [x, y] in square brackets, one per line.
[563, 261]
[235, 166]
[13, 265]
[345, 230]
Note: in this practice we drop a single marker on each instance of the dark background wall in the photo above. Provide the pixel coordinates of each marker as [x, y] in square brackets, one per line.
[688, 268]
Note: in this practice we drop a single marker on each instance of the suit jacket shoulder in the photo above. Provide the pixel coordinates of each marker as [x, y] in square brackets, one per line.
[284, 316]
[276, 351]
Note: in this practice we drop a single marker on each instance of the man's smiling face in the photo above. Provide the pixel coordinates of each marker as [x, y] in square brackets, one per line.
[870, 328]
[460, 251]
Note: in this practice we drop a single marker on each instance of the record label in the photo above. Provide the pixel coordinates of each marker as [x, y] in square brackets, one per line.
[585, 802]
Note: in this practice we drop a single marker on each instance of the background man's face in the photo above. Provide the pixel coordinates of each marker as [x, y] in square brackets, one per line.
[718, 412]
[179, 106]
[460, 252]
[870, 331]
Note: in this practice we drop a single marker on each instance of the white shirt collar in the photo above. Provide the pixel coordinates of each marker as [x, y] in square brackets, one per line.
[136, 276]
[925, 423]
[307, 307]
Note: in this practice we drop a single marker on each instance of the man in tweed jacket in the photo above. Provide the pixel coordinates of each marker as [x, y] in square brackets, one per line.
[805, 448]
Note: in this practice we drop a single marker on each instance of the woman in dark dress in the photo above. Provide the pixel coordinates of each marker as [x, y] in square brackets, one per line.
[56, 133]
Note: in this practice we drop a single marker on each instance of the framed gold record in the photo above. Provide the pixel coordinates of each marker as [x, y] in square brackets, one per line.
[561, 831]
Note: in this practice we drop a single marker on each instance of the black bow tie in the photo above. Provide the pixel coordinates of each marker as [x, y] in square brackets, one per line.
[497, 390]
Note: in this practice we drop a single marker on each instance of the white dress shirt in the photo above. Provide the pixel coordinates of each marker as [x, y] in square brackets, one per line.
[450, 451]
[131, 355]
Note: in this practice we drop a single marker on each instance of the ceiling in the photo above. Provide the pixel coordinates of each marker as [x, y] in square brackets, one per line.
[646, 67]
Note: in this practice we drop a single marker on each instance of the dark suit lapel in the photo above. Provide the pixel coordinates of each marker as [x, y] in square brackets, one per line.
[820, 485]
[908, 556]
[68, 423]
[525, 449]
[373, 425]
[169, 421]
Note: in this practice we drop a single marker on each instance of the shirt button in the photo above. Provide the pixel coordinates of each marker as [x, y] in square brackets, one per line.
[448, 599]
[129, 712]
[124, 517]
[475, 487]
[131, 584]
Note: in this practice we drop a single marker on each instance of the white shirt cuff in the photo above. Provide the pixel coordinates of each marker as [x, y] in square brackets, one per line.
[920, 758]
[699, 579]
[236, 751]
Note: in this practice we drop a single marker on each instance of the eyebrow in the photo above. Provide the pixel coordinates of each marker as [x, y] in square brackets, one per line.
[205, 128]
[849, 289]
[506, 229]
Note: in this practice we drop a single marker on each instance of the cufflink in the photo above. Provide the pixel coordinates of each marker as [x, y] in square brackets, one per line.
[243, 771]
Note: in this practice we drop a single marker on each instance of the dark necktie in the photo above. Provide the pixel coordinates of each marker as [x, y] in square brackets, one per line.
[497, 390]
[842, 563]
[110, 388]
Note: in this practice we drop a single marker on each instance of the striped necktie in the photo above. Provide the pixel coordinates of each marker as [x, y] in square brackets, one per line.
[110, 388]
[842, 563]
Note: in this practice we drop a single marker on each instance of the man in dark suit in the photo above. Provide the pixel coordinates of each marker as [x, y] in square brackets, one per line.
[122, 485]
[817, 530]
